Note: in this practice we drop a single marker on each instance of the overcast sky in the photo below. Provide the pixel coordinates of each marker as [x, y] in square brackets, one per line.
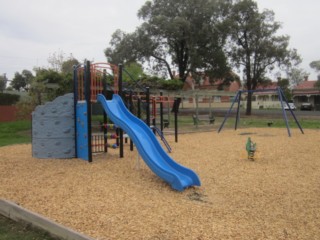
[32, 30]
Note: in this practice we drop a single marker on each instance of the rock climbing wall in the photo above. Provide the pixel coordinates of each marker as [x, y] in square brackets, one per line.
[53, 133]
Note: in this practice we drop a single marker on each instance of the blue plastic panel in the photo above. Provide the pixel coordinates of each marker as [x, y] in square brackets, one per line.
[82, 131]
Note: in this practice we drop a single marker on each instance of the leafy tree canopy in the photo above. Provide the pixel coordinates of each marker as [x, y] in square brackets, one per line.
[45, 84]
[22, 81]
[284, 83]
[133, 71]
[297, 75]
[49, 83]
[67, 65]
[3, 82]
[316, 66]
[183, 35]
[254, 45]
[134, 78]
[55, 81]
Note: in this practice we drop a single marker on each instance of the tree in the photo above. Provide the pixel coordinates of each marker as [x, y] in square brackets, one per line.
[66, 84]
[283, 83]
[55, 60]
[135, 78]
[316, 66]
[37, 92]
[297, 75]
[45, 85]
[254, 46]
[59, 63]
[62, 69]
[133, 72]
[67, 65]
[21, 81]
[186, 35]
[3, 83]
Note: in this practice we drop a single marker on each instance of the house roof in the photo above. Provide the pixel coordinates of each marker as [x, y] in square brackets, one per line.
[305, 85]
[271, 85]
[234, 86]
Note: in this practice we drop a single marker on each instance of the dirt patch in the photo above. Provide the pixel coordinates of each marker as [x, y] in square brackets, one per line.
[276, 196]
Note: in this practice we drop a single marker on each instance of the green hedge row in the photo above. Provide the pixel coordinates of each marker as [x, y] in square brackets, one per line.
[8, 99]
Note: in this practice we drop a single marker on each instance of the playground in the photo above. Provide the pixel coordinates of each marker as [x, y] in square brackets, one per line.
[274, 196]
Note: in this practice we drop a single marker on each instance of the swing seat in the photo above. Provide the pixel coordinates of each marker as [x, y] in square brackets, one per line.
[165, 123]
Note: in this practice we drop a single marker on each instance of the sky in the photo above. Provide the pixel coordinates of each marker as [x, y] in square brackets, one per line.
[33, 30]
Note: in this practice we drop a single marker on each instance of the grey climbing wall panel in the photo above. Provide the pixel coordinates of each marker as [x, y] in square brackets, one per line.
[53, 134]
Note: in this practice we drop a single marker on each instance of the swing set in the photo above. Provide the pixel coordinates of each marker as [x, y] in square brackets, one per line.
[282, 100]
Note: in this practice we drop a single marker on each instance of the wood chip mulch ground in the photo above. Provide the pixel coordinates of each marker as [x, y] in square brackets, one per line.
[276, 196]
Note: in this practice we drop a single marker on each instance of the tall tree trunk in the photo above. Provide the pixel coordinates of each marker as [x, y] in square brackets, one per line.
[249, 98]
[167, 65]
[249, 104]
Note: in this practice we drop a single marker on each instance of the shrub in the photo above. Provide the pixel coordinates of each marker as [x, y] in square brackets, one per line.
[24, 109]
[172, 84]
[8, 99]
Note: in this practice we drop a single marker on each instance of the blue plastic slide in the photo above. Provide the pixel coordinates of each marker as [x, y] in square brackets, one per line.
[178, 176]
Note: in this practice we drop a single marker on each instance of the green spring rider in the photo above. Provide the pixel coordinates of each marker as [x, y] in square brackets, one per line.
[251, 148]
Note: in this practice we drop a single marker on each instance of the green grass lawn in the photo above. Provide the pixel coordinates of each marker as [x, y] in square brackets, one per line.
[20, 131]
[186, 121]
[15, 132]
[276, 123]
[10, 230]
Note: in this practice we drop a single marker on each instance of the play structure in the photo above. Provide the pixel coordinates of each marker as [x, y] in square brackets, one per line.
[282, 100]
[102, 83]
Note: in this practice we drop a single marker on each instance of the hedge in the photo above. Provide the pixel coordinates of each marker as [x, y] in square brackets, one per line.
[8, 99]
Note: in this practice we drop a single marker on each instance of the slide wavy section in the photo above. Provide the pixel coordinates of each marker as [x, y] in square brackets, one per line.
[148, 146]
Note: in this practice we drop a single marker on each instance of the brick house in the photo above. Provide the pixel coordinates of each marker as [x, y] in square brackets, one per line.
[215, 92]
[265, 99]
[306, 91]
[223, 95]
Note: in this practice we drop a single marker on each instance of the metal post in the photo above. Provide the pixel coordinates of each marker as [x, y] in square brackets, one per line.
[175, 109]
[197, 109]
[131, 110]
[176, 126]
[228, 113]
[161, 112]
[75, 101]
[104, 92]
[139, 107]
[120, 94]
[120, 80]
[88, 100]
[210, 107]
[292, 113]
[283, 111]
[148, 105]
[238, 112]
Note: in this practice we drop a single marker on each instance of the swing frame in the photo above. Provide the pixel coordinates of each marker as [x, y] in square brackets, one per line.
[282, 100]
